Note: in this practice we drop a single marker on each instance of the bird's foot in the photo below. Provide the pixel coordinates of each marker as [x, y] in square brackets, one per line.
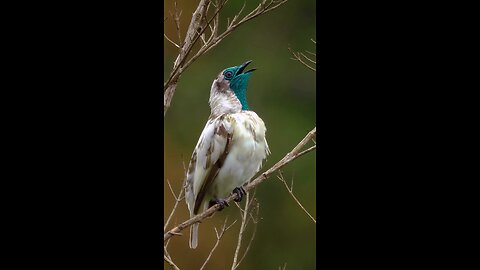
[221, 202]
[240, 192]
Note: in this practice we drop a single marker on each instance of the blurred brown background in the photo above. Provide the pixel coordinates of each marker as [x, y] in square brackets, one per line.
[282, 92]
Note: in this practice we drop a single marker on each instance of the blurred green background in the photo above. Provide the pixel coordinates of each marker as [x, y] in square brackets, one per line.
[283, 93]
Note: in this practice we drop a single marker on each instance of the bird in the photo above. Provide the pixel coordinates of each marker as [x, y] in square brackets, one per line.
[231, 147]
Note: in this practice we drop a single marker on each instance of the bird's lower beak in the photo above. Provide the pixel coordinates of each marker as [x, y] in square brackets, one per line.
[243, 66]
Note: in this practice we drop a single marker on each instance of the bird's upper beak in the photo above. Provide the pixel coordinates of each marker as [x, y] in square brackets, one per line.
[243, 66]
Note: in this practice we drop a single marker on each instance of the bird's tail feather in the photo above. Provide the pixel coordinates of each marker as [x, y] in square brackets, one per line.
[194, 235]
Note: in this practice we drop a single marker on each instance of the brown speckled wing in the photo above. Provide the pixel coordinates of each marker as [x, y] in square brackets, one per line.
[220, 134]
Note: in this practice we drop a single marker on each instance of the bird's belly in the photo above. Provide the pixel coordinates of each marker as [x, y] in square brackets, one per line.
[242, 163]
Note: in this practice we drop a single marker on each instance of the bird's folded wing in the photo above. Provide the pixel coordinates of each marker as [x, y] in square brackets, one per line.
[208, 157]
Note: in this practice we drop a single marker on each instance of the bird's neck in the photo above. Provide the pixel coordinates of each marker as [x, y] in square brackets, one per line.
[242, 97]
[224, 102]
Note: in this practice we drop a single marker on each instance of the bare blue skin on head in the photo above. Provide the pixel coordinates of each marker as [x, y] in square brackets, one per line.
[239, 82]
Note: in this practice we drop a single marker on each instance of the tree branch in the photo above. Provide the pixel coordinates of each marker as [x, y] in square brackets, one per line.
[292, 155]
[219, 236]
[177, 200]
[196, 30]
[190, 38]
[290, 190]
[168, 259]
[255, 222]
[243, 225]
[171, 41]
[298, 57]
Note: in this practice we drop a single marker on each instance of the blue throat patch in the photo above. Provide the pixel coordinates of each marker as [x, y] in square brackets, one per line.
[239, 85]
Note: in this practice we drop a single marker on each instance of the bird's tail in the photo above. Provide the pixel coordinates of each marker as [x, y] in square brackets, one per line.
[194, 235]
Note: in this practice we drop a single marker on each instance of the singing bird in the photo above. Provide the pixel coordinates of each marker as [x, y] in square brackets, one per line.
[230, 149]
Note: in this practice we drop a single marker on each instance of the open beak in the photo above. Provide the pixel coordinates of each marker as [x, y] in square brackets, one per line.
[243, 66]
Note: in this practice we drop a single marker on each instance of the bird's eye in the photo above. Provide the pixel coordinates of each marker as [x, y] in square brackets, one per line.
[228, 74]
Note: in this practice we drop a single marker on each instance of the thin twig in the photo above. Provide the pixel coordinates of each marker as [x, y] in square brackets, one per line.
[292, 155]
[307, 150]
[297, 57]
[168, 259]
[170, 262]
[243, 214]
[177, 200]
[171, 41]
[171, 84]
[255, 13]
[181, 66]
[219, 236]
[306, 57]
[290, 190]
[177, 24]
[255, 223]
[196, 31]
[190, 39]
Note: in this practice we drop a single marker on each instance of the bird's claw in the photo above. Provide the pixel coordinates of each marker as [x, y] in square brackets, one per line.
[222, 202]
[240, 192]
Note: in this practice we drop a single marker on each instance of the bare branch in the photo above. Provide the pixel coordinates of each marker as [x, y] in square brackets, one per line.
[237, 15]
[292, 155]
[170, 262]
[175, 44]
[196, 30]
[304, 56]
[177, 24]
[191, 38]
[290, 190]
[255, 222]
[307, 150]
[177, 200]
[219, 236]
[171, 84]
[261, 9]
[298, 57]
[171, 190]
[168, 259]
[202, 37]
[242, 229]
[201, 51]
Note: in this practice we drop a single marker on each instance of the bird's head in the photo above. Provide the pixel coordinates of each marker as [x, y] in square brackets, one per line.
[236, 79]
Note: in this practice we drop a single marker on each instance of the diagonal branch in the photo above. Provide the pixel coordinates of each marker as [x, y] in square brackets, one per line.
[171, 41]
[177, 200]
[170, 262]
[301, 57]
[190, 39]
[298, 57]
[290, 190]
[196, 30]
[292, 155]
[168, 259]
[243, 225]
[219, 237]
[255, 222]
